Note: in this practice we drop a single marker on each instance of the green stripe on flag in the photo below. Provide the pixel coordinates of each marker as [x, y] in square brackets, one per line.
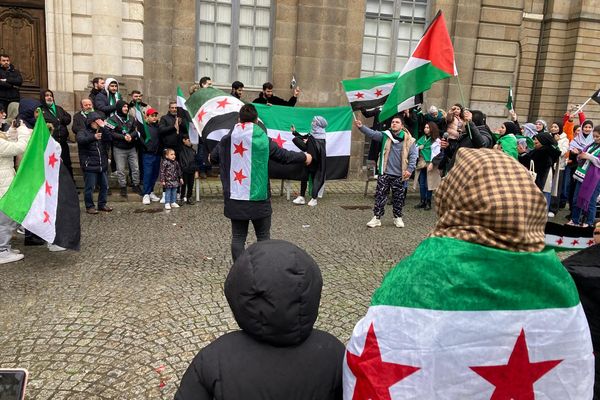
[369, 82]
[453, 275]
[260, 164]
[31, 175]
[281, 117]
[200, 97]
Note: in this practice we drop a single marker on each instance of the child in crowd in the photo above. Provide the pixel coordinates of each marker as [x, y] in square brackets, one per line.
[170, 178]
[189, 167]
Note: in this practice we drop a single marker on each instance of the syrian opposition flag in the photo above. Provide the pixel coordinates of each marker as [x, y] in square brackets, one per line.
[185, 115]
[249, 167]
[278, 121]
[42, 196]
[596, 96]
[431, 61]
[213, 113]
[481, 323]
[509, 101]
[372, 91]
[568, 237]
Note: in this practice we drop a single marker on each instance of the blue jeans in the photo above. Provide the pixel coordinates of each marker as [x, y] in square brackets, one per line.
[591, 212]
[90, 180]
[548, 197]
[170, 195]
[567, 182]
[425, 194]
[151, 170]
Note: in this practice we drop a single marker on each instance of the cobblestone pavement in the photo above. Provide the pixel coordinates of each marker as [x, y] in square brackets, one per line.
[146, 289]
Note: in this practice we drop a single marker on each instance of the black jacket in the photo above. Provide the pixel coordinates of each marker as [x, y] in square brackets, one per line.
[317, 148]
[188, 160]
[543, 159]
[78, 122]
[474, 140]
[60, 121]
[9, 90]
[277, 355]
[241, 209]
[169, 136]
[93, 94]
[153, 145]
[102, 105]
[118, 128]
[276, 101]
[92, 152]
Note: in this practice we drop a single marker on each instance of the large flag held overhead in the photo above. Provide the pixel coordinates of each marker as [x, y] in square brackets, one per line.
[476, 327]
[278, 121]
[431, 61]
[185, 115]
[42, 197]
[213, 113]
[372, 91]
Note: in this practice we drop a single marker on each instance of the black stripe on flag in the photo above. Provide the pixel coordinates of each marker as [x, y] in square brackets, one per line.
[67, 225]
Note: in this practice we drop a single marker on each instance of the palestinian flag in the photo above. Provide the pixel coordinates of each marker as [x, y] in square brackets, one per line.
[279, 119]
[431, 61]
[182, 111]
[213, 113]
[249, 167]
[42, 196]
[473, 325]
[568, 237]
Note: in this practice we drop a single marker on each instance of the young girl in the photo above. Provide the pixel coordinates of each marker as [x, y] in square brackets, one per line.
[170, 178]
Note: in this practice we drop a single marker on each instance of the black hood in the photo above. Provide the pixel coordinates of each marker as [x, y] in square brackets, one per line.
[274, 290]
[26, 111]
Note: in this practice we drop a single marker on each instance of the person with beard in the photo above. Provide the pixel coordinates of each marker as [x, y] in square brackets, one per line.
[171, 128]
[267, 97]
[79, 118]
[60, 120]
[237, 88]
[124, 137]
[105, 102]
[10, 82]
[397, 161]
[314, 144]
[97, 87]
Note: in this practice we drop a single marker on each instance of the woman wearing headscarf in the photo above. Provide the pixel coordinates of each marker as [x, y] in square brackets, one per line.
[507, 140]
[314, 144]
[587, 176]
[464, 316]
[59, 119]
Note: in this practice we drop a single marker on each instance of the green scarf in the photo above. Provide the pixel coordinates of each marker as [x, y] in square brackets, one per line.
[384, 139]
[52, 108]
[594, 150]
[426, 150]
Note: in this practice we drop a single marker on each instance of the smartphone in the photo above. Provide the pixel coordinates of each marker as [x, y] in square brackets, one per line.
[12, 383]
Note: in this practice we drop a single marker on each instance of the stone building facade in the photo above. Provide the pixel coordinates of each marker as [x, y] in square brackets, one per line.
[545, 49]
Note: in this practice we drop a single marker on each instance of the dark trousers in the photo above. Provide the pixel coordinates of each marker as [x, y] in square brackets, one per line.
[188, 184]
[90, 180]
[386, 182]
[151, 170]
[239, 232]
[66, 156]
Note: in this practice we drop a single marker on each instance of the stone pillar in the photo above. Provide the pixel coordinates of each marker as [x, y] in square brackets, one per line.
[60, 51]
[107, 44]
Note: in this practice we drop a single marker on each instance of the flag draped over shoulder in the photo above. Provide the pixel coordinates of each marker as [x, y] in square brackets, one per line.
[213, 113]
[278, 121]
[431, 61]
[185, 115]
[248, 171]
[42, 197]
[472, 326]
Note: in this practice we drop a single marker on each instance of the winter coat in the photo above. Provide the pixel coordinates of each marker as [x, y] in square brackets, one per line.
[543, 159]
[9, 149]
[102, 102]
[242, 209]
[170, 173]
[60, 122]
[475, 140]
[92, 152]
[118, 128]
[169, 136]
[9, 90]
[188, 160]
[154, 144]
[78, 122]
[278, 354]
[276, 101]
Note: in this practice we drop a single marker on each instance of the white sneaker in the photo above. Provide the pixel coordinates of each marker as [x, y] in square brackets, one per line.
[374, 222]
[16, 251]
[146, 199]
[162, 199]
[54, 247]
[154, 197]
[185, 199]
[398, 222]
[174, 205]
[312, 202]
[299, 200]
[550, 214]
[7, 256]
[167, 206]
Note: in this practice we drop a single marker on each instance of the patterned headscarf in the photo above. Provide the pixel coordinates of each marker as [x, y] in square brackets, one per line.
[489, 198]
[318, 126]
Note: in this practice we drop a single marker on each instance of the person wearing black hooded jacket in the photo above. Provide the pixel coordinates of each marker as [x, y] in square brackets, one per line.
[171, 129]
[60, 120]
[544, 155]
[273, 289]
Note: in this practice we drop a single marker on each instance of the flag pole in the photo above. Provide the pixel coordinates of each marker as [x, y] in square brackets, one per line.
[581, 107]
[462, 99]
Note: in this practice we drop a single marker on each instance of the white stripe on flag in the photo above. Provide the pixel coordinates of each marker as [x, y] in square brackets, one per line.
[370, 94]
[445, 344]
[241, 164]
[218, 134]
[41, 218]
[336, 143]
[569, 242]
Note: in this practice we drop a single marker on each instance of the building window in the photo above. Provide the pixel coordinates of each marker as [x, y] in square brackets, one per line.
[234, 41]
[392, 30]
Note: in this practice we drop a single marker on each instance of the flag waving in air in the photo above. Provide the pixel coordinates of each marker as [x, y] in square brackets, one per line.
[373, 91]
[42, 196]
[431, 61]
[185, 115]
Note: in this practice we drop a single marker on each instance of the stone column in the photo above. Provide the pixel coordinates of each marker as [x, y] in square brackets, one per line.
[60, 51]
[107, 42]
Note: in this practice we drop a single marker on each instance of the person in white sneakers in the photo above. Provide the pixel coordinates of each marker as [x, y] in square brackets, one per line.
[396, 163]
[151, 148]
[12, 144]
[170, 178]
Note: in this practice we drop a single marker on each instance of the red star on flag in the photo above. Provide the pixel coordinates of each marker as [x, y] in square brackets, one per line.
[48, 189]
[515, 380]
[279, 140]
[359, 95]
[379, 93]
[373, 375]
[201, 114]
[574, 242]
[46, 217]
[243, 125]
[239, 149]
[560, 241]
[52, 160]
[590, 242]
[239, 176]
[223, 103]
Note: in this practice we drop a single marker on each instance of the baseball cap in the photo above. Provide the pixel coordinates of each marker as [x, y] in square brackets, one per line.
[151, 111]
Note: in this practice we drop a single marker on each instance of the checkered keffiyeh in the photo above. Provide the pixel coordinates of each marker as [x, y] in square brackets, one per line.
[489, 198]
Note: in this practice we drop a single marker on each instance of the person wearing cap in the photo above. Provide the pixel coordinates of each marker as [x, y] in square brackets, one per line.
[237, 88]
[94, 161]
[152, 147]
